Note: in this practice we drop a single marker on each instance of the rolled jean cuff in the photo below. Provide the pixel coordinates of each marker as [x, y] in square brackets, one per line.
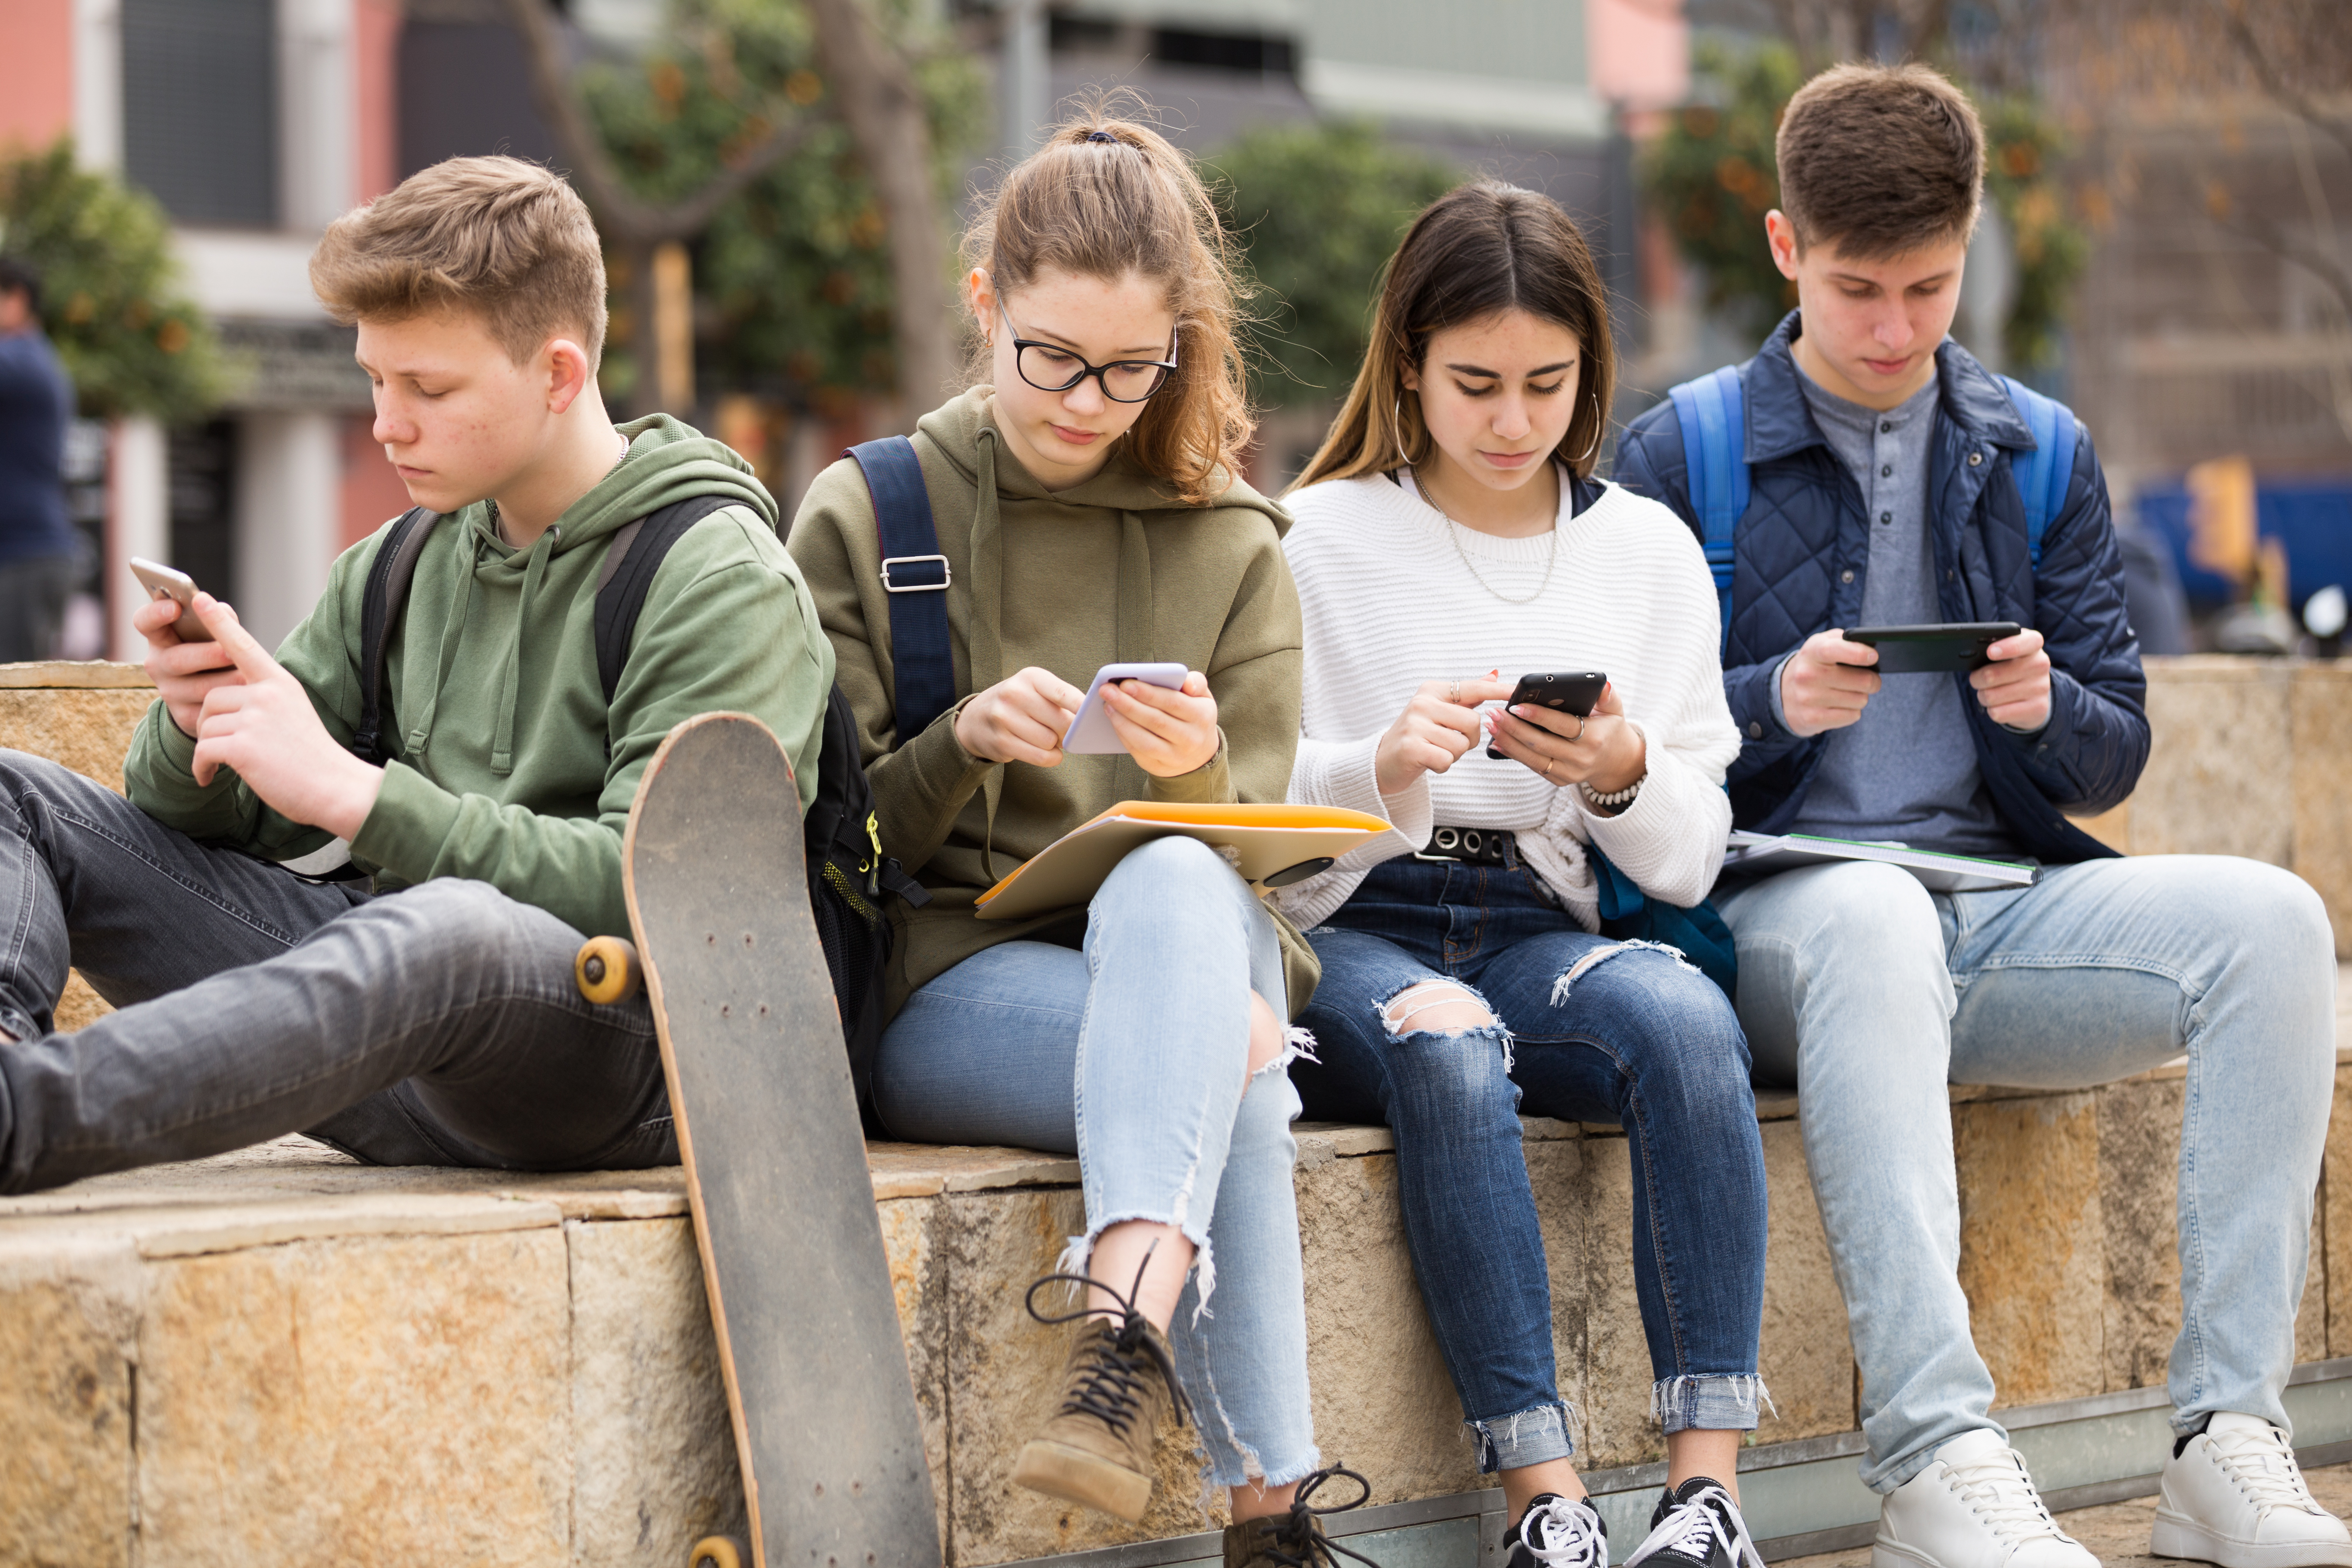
[1530, 1437]
[1709, 1402]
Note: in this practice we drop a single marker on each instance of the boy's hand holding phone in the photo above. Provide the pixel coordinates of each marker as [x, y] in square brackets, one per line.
[1435, 728]
[185, 672]
[2015, 686]
[262, 724]
[1825, 682]
[1601, 750]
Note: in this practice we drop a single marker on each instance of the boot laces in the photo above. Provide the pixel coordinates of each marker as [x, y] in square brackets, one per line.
[1298, 1541]
[1693, 1526]
[1563, 1533]
[1999, 1491]
[1110, 1389]
[2263, 1467]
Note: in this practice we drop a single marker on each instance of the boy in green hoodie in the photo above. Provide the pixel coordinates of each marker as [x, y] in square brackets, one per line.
[421, 1009]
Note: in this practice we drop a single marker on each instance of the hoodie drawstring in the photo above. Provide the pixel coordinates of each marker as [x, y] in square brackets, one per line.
[988, 626]
[510, 679]
[452, 632]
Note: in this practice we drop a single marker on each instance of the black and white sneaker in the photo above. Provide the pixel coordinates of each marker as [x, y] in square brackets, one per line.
[1558, 1533]
[1697, 1526]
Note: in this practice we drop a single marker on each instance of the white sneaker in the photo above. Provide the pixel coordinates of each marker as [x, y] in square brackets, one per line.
[2234, 1495]
[1973, 1507]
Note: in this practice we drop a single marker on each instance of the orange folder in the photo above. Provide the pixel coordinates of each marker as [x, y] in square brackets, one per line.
[1266, 841]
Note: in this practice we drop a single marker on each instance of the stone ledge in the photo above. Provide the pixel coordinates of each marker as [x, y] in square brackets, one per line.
[71, 675]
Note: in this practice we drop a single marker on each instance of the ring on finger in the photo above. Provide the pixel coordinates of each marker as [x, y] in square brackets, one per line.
[1547, 761]
[1455, 697]
[1580, 722]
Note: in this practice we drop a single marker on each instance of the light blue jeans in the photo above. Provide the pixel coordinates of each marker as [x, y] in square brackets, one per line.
[1870, 994]
[1133, 1054]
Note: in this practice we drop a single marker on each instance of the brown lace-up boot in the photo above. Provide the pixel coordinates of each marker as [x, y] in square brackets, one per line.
[1295, 1540]
[1117, 1387]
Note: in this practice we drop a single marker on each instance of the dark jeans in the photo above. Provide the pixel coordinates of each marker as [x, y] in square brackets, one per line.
[1592, 1030]
[439, 1025]
[33, 595]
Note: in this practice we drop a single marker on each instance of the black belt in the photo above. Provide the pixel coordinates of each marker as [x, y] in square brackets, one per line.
[1473, 846]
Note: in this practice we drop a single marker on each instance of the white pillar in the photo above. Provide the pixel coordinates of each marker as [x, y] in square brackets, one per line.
[317, 112]
[137, 523]
[289, 518]
[98, 84]
[1023, 99]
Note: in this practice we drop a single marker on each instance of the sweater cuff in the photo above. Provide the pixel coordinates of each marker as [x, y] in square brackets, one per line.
[412, 819]
[1211, 784]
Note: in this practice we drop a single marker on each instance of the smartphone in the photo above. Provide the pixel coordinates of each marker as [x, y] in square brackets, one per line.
[1091, 732]
[164, 582]
[1561, 692]
[1933, 650]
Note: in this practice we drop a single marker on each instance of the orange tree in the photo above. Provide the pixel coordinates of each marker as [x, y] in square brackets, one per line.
[110, 301]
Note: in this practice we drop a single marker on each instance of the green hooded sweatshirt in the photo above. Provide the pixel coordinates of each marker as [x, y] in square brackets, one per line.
[1111, 571]
[498, 721]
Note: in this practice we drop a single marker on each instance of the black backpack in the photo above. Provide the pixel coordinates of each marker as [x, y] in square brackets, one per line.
[849, 877]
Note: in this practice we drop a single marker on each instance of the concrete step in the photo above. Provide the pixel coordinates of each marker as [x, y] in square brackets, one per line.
[279, 1355]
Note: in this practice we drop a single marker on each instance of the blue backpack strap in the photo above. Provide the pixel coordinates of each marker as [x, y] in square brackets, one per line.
[2044, 473]
[1713, 422]
[916, 577]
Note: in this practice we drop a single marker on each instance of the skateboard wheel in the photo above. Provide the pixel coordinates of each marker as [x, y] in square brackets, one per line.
[606, 972]
[719, 1552]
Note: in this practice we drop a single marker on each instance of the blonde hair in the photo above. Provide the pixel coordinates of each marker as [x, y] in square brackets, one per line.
[1477, 250]
[507, 241]
[1107, 196]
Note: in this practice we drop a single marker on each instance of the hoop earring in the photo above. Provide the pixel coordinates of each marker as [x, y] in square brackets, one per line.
[1396, 430]
[1596, 432]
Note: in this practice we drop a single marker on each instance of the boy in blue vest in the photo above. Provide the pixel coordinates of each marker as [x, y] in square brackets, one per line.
[1891, 480]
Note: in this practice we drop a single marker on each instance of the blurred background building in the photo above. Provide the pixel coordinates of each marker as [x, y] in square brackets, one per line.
[2161, 246]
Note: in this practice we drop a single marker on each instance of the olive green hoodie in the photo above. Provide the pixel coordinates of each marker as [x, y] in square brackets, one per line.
[1111, 571]
[498, 721]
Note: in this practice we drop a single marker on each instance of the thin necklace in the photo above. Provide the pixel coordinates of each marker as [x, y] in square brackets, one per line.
[1549, 561]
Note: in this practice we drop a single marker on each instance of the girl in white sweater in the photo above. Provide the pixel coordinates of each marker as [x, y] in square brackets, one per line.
[1450, 538]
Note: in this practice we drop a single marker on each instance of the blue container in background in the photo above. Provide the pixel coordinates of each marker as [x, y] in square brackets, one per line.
[2312, 519]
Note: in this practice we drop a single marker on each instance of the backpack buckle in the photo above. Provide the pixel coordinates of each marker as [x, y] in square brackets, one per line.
[947, 574]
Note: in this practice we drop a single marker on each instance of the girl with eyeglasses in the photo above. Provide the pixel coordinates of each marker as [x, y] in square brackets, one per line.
[1451, 538]
[1087, 503]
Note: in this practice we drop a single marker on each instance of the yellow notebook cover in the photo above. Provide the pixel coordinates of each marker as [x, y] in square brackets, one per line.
[1268, 839]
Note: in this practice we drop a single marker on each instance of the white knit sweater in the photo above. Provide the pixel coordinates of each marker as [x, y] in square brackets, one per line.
[1389, 604]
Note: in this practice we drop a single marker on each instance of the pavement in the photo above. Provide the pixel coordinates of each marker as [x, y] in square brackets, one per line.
[2118, 1532]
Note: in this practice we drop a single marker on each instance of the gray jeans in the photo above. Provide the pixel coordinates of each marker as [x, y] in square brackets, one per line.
[438, 1025]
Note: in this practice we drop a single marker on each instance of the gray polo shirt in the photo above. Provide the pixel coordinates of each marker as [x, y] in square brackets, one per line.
[1907, 769]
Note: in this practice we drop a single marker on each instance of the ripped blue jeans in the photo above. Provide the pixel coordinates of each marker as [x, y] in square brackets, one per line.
[1133, 1054]
[1591, 1030]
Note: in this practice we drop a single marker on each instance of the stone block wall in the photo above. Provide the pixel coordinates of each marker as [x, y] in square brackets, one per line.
[2250, 757]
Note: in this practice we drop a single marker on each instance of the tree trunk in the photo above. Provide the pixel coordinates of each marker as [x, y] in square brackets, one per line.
[875, 95]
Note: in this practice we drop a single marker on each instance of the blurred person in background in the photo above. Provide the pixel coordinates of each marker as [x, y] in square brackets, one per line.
[37, 536]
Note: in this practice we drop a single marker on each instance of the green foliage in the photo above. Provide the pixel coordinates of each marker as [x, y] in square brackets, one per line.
[2023, 152]
[1712, 176]
[109, 298]
[793, 277]
[1319, 206]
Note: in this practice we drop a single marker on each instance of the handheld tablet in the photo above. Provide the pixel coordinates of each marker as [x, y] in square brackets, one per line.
[1933, 650]
[1561, 692]
[164, 582]
[1091, 730]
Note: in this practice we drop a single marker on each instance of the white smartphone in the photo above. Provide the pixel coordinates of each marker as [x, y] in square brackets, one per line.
[1091, 730]
[164, 582]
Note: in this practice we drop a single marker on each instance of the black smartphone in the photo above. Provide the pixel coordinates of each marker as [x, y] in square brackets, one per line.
[1562, 692]
[1933, 650]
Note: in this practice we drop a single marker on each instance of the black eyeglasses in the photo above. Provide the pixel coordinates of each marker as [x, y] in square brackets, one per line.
[1051, 368]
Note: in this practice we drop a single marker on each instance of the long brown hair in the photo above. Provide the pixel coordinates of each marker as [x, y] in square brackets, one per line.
[1477, 250]
[1105, 196]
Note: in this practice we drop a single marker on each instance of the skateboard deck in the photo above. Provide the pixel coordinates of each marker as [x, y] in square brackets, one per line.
[825, 1425]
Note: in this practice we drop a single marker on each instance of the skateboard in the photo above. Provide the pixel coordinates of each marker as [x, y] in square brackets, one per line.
[825, 1425]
